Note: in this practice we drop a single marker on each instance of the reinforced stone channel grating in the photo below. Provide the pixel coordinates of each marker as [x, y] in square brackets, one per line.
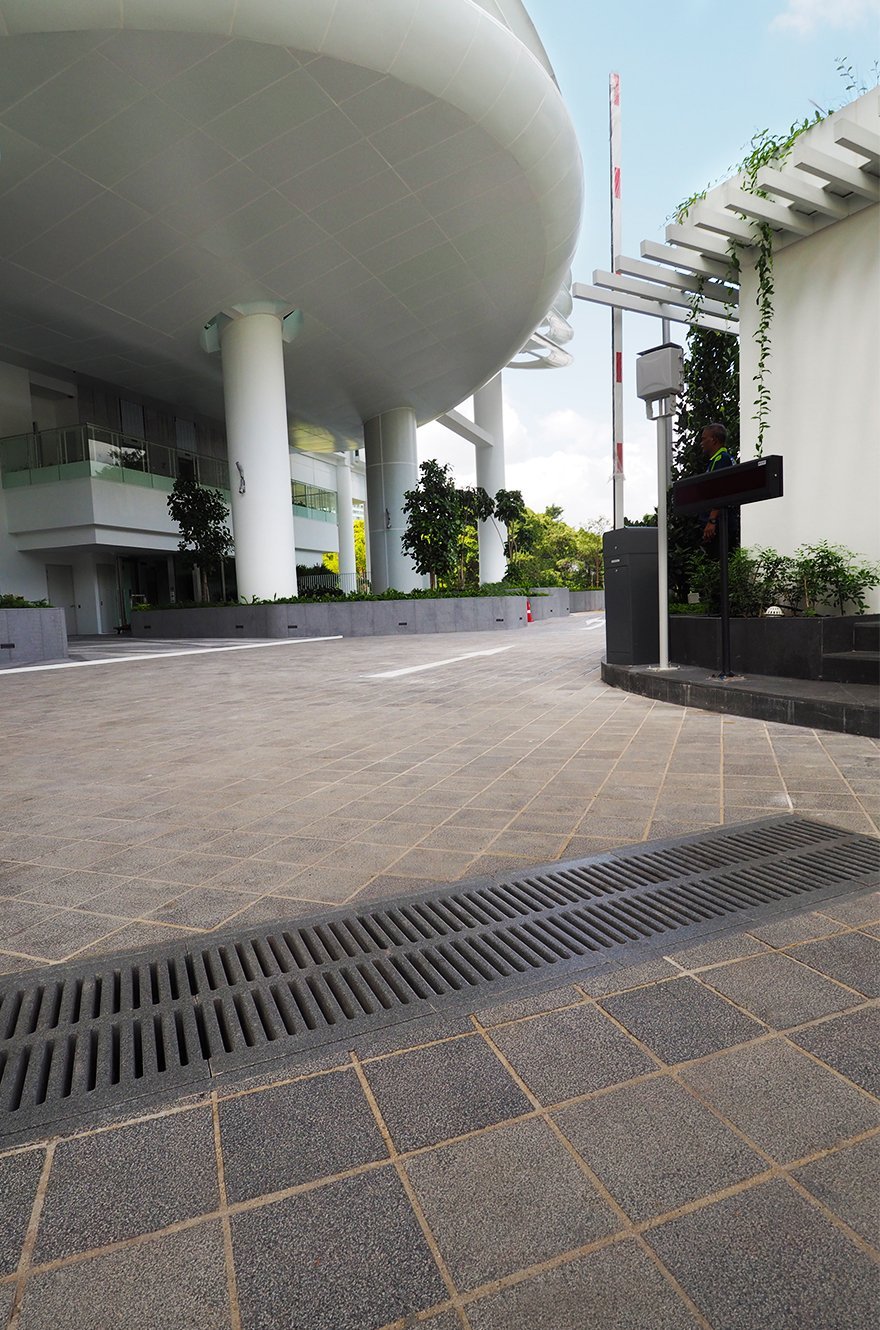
[86, 1036]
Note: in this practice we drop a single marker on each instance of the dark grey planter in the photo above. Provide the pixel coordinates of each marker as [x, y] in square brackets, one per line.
[786, 647]
[367, 618]
[28, 636]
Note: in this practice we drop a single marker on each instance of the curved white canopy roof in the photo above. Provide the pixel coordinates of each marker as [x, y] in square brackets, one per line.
[404, 172]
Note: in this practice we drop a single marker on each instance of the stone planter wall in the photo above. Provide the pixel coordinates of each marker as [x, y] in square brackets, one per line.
[365, 618]
[790, 648]
[28, 636]
[582, 602]
[550, 602]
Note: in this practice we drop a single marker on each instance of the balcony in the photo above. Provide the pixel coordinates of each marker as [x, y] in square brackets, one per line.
[87, 451]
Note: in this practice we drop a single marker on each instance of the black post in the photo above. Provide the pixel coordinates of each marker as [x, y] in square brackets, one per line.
[723, 553]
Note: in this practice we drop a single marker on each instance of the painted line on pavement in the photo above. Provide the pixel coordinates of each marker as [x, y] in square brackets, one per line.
[435, 664]
[163, 655]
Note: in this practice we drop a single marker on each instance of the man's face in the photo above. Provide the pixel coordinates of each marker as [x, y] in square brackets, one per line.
[708, 443]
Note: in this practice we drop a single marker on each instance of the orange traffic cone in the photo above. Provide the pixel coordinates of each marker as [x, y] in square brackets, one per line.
[529, 618]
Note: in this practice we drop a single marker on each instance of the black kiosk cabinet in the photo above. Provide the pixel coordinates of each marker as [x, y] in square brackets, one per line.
[632, 617]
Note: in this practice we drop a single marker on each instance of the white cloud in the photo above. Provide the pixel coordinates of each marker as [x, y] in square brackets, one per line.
[805, 16]
[561, 458]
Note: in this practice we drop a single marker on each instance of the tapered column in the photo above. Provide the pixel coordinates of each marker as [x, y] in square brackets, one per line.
[491, 535]
[392, 469]
[345, 524]
[257, 442]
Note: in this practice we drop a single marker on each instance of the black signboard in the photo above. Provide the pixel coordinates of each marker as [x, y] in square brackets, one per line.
[730, 486]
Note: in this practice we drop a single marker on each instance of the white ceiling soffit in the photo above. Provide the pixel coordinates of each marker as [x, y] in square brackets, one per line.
[405, 173]
[832, 172]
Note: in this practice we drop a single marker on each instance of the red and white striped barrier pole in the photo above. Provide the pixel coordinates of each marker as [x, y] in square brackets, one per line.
[616, 314]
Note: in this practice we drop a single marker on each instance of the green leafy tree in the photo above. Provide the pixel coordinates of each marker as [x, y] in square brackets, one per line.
[201, 514]
[433, 522]
[360, 548]
[475, 505]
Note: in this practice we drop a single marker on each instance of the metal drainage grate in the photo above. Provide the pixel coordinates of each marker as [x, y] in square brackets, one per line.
[97, 1034]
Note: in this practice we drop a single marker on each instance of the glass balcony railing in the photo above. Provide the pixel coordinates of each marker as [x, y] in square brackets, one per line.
[310, 501]
[76, 451]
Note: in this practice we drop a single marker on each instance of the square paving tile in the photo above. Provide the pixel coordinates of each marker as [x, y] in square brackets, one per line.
[431, 1094]
[177, 1282]
[847, 1183]
[568, 1053]
[796, 928]
[113, 1185]
[532, 1005]
[779, 990]
[19, 1175]
[200, 907]
[289, 1134]
[347, 1256]
[617, 1288]
[480, 1196]
[864, 909]
[681, 1020]
[849, 1044]
[655, 1147]
[851, 958]
[64, 933]
[615, 978]
[768, 1258]
[782, 1100]
[729, 947]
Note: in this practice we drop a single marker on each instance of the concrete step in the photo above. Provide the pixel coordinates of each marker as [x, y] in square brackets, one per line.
[866, 636]
[852, 667]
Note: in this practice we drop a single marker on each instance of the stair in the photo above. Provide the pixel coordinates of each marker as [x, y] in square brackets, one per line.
[856, 660]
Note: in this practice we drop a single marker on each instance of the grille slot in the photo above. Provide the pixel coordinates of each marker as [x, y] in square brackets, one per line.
[98, 1034]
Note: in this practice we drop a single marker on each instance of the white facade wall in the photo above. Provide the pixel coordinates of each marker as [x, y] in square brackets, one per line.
[825, 391]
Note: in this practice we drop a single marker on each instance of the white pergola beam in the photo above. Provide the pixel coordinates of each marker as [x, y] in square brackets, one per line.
[466, 429]
[667, 294]
[858, 138]
[658, 309]
[652, 272]
[790, 185]
[849, 179]
[675, 257]
[765, 210]
[692, 237]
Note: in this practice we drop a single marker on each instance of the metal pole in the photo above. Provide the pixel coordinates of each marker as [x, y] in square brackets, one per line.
[726, 670]
[664, 427]
[616, 314]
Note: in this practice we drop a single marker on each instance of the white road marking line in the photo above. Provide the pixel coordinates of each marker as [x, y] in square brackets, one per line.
[163, 655]
[435, 664]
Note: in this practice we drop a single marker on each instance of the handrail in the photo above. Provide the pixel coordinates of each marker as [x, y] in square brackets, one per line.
[106, 452]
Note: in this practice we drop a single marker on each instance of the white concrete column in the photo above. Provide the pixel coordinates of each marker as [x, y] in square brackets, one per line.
[259, 454]
[392, 468]
[345, 524]
[489, 416]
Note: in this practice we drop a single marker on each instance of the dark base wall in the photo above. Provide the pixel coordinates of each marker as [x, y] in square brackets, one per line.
[783, 647]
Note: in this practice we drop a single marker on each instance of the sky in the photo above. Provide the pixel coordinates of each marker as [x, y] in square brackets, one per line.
[698, 78]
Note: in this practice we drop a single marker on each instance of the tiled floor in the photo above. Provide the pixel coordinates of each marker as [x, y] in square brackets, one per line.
[690, 1140]
[151, 798]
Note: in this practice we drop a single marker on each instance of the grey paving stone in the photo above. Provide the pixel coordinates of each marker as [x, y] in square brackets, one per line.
[730, 947]
[864, 909]
[533, 1005]
[681, 1020]
[779, 990]
[852, 958]
[64, 933]
[114, 1185]
[177, 1282]
[617, 1288]
[847, 1183]
[431, 1094]
[782, 1100]
[410, 1034]
[289, 1134]
[569, 1053]
[767, 1258]
[347, 1256]
[445, 1321]
[7, 1297]
[849, 1044]
[796, 928]
[479, 1197]
[19, 1175]
[615, 978]
[655, 1147]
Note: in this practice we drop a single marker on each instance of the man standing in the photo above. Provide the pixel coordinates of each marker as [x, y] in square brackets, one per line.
[713, 442]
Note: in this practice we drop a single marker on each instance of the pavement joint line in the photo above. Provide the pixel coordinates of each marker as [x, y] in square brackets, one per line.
[410, 1191]
[853, 1085]
[847, 988]
[30, 1240]
[163, 655]
[673, 1283]
[834, 1219]
[228, 1254]
[640, 1043]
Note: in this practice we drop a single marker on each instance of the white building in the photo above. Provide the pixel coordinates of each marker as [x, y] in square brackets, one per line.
[242, 242]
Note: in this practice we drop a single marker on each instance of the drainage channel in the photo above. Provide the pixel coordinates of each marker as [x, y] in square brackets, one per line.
[97, 1035]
